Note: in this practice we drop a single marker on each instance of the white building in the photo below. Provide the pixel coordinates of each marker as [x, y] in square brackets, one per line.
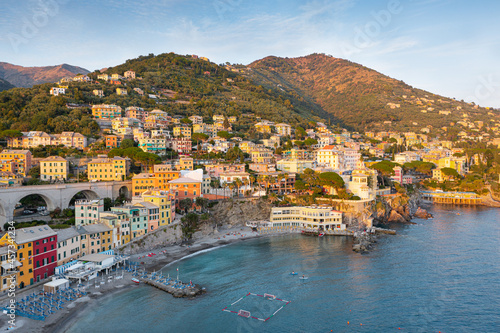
[55, 91]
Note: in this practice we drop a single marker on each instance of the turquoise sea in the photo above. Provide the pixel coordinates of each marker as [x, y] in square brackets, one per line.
[439, 275]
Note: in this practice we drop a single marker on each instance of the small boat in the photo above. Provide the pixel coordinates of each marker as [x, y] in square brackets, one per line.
[294, 273]
[321, 234]
[136, 280]
[303, 278]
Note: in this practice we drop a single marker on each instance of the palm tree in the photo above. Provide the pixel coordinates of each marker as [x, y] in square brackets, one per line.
[232, 186]
[246, 181]
[238, 183]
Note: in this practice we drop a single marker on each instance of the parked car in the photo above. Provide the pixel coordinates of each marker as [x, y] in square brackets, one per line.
[44, 213]
[27, 212]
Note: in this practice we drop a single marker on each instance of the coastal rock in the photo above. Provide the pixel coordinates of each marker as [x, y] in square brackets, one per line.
[423, 214]
[396, 217]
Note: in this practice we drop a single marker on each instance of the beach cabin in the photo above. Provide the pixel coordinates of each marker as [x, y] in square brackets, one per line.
[55, 285]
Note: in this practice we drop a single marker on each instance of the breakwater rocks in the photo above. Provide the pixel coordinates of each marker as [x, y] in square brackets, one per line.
[178, 289]
[363, 241]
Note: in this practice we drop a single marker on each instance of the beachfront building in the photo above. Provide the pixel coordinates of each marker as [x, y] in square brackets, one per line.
[308, 218]
[120, 224]
[36, 252]
[68, 245]
[108, 169]
[164, 201]
[54, 168]
[9, 268]
[87, 211]
[95, 238]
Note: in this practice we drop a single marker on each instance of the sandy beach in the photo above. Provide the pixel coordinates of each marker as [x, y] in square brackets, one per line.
[64, 318]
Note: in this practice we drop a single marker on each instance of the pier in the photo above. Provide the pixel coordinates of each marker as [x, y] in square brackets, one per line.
[453, 198]
[175, 287]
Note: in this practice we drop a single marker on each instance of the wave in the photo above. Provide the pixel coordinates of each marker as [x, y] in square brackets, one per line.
[195, 254]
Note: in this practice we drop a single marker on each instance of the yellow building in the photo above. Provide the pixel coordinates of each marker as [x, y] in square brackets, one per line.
[185, 131]
[328, 157]
[121, 91]
[185, 163]
[261, 155]
[263, 127]
[54, 168]
[15, 161]
[163, 200]
[106, 111]
[163, 174]
[143, 182]
[108, 169]
[457, 163]
[296, 166]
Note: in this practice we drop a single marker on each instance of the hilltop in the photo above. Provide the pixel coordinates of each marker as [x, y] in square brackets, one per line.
[26, 77]
[358, 97]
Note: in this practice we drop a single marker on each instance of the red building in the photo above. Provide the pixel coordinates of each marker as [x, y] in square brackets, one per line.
[44, 253]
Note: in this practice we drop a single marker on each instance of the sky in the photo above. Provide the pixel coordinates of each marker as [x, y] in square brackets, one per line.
[448, 47]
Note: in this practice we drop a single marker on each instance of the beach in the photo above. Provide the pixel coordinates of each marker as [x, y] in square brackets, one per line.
[63, 319]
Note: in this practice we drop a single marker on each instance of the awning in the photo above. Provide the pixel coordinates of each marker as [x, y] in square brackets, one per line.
[9, 265]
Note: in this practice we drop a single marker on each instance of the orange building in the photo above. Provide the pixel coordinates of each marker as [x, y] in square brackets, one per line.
[112, 141]
[185, 187]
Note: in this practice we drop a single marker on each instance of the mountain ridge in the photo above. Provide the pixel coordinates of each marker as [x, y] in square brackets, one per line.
[26, 77]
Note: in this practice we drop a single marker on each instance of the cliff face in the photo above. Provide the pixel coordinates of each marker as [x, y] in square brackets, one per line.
[398, 208]
[237, 213]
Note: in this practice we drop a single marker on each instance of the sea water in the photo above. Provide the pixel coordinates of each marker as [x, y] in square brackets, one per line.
[438, 275]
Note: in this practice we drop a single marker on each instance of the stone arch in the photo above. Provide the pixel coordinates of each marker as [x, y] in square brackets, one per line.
[89, 195]
[50, 202]
[125, 191]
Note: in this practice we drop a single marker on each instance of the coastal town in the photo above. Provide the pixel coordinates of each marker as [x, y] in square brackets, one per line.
[69, 198]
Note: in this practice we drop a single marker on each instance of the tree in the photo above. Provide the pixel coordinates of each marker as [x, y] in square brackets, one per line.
[185, 204]
[300, 186]
[332, 179]
[127, 143]
[189, 224]
[226, 124]
[238, 183]
[310, 142]
[108, 203]
[234, 154]
[224, 134]
[35, 172]
[202, 203]
[449, 172]
[10, 134]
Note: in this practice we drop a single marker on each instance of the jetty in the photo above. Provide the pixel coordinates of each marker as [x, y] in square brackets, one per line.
[173, 286]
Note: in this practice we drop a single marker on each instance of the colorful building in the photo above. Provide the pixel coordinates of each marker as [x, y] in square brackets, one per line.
[15, 161]
[108, 169]
[87, 211]
[54, 168]
[106, 111]
[312, 218]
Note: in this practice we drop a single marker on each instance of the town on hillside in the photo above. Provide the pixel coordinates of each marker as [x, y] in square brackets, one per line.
[157, 168]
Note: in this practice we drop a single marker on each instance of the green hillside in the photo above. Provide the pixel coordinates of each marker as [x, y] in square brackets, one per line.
[360, 98]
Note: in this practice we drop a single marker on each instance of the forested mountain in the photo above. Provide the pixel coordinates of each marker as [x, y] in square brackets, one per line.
[298, 91]
[26, 77]
[358, 97]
